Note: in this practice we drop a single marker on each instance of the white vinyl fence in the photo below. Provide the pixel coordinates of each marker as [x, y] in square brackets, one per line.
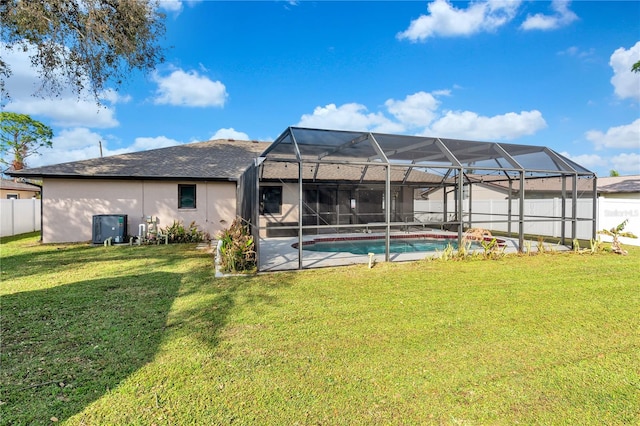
[494, 215]
[19, 216]
[612, 211]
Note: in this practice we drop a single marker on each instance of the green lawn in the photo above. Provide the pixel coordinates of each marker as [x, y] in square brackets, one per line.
[146, 335]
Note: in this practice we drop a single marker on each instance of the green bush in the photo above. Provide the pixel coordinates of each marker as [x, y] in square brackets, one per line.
[237, 250]
[177, 233]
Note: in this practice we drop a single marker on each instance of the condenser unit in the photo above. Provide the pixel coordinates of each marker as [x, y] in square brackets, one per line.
[112, 226]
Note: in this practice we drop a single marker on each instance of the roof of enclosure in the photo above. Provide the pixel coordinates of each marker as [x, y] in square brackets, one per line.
[366, 148]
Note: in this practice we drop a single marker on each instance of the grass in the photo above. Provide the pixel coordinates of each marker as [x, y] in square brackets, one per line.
[146, 335]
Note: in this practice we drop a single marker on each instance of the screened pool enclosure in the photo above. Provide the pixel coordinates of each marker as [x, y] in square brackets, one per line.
[313, 183]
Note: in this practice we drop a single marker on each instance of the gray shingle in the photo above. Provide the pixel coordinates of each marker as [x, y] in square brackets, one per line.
[216, 160]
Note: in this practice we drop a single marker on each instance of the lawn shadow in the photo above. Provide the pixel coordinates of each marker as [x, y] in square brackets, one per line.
[54, 258]
[65, 347]
[205, 319]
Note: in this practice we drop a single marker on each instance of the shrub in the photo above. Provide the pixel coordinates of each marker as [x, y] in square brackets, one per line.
[237, 250]
[617, 232]
[177, 233]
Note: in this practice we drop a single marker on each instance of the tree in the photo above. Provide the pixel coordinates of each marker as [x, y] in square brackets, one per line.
[20, 137]
[613, 173]
[82, 45]
[636, 67]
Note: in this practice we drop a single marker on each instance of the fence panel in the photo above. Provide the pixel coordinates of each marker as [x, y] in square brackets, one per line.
[494, 215]
[613, 211]
[19, 216]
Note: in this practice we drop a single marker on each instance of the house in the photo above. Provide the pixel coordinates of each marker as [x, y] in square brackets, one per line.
[618, 201]
[309, 182]
[620, 187]
[10, 189]
[195, 182]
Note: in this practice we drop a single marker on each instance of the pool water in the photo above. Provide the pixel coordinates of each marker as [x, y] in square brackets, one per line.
[377, 246]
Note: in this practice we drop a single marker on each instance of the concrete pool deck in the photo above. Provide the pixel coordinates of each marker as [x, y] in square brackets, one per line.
[278, 254]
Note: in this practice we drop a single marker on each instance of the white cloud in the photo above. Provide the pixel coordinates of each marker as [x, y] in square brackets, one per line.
[419, 113]
[189, 89]
[590, 161]
[576, 52]
[562, 17]
[114, 97]
[65, 110]
[78, 137]
[623, 137]
[625, 82]
[626, 163]
[174, 6]
[448, 21]
[69, 145]
[417, 110]
[230, 133]
[80, 143]
[145, 144]
[350, 116]
[470, 125]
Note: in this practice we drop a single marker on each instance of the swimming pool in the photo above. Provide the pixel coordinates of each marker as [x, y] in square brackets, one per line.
[376, 245]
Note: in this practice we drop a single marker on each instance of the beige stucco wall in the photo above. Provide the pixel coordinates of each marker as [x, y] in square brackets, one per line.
[22, 194]
[69, 205]
[289, 213]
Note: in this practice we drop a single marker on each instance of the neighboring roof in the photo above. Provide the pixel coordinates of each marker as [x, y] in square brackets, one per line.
[18, 186]
[212, 160]
[547, 184]
[618, 184]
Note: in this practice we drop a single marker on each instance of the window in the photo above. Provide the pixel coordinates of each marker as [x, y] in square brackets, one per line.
[13, 196]
[186, 196]
[271, 200]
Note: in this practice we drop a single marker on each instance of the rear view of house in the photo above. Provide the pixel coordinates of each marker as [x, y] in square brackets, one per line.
[195, 182]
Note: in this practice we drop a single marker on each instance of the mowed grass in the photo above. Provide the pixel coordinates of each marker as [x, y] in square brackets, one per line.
[147, 335]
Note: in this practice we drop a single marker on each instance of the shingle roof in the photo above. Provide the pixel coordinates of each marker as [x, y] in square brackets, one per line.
[344, 172]
[214, 160]
[18, 186]
[618, 184]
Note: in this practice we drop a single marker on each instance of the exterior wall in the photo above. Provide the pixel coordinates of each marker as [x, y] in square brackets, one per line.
[403, 204]
[479, 192]
[22, 194]
[70, 204]
[289, 212]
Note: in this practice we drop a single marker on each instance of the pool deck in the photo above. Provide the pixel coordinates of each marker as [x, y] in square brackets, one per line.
[278, 254]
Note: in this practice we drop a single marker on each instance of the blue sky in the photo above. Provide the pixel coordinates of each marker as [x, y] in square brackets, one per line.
[533, 72]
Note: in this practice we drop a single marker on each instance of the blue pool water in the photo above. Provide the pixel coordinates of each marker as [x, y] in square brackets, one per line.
[409, 245]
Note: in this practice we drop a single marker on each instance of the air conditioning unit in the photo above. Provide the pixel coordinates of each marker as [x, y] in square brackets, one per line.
[109, 225]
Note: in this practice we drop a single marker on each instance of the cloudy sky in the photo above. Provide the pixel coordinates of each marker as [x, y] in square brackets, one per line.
[533, 72]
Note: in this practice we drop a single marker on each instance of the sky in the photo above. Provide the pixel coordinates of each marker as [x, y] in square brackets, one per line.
[555, 74]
